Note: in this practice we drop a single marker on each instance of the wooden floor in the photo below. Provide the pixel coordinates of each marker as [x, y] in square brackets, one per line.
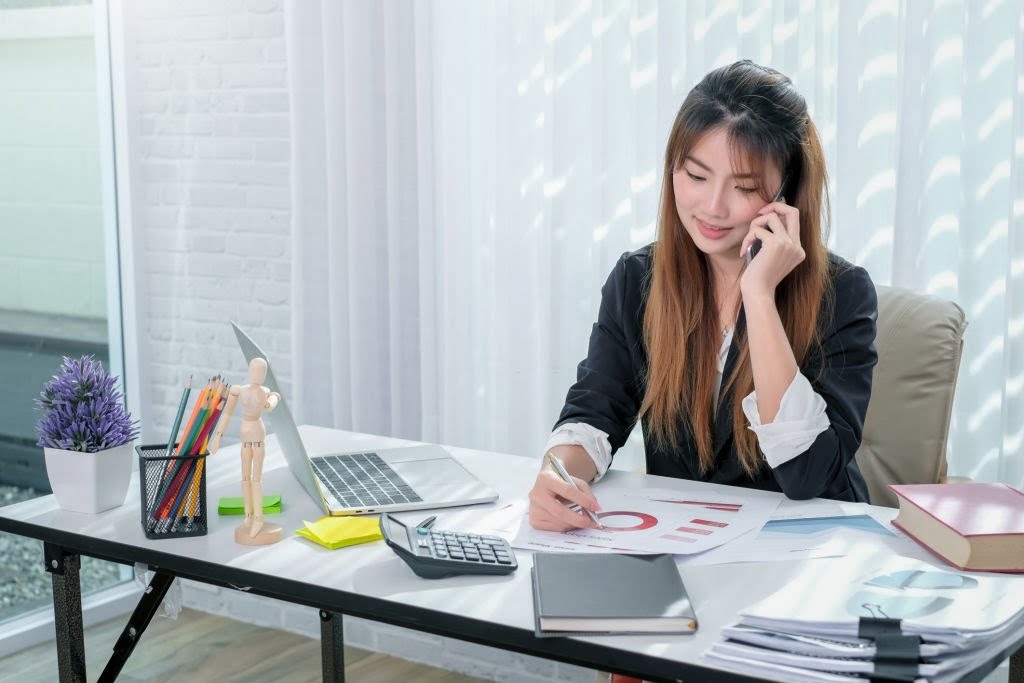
[199, 647]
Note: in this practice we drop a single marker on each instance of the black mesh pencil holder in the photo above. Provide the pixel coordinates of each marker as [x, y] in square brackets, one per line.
[173, 493]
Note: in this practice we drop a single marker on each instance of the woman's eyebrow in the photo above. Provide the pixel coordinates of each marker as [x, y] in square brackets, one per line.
[738, 176]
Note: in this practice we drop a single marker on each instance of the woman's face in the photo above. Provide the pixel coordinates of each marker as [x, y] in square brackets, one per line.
[715, 204]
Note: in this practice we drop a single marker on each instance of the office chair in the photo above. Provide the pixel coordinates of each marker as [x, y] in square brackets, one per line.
[920, 340]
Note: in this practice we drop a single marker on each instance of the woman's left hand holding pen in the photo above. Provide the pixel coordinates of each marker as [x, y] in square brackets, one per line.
[550, 493]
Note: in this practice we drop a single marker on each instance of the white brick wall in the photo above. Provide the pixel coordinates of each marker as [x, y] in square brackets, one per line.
[213, 160]
[213, 164]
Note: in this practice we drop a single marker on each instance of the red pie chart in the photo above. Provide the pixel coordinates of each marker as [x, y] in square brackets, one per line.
[620, 520]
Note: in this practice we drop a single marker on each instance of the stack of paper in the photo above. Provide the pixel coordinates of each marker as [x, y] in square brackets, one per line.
[814, 628]
[338, 532]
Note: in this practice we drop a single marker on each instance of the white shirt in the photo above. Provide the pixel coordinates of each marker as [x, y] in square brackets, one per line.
[801, 418]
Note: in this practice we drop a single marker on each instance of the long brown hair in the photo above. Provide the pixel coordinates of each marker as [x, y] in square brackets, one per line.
[766, 121]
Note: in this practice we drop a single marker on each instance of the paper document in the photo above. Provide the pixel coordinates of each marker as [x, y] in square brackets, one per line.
[936, 602]
[691, 519]
[810, 629]
[802, 530]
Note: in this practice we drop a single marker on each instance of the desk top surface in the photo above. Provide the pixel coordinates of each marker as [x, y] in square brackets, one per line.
[370, 580]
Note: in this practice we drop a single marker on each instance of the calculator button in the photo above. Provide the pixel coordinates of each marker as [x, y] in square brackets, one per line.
[504, 559]
[473, 556]
[473, 538]
[488, 558]
[441, 552]
[492, 540]
[457, 554]
[422, 532]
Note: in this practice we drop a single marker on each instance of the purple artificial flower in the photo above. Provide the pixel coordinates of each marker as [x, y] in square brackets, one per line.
[83, 409]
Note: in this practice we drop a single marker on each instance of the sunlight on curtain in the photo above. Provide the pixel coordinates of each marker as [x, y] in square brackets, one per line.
[466, 175]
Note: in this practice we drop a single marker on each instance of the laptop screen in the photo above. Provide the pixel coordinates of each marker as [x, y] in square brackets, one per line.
[283, 422]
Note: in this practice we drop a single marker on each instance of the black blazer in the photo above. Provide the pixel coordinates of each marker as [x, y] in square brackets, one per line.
[611, 382]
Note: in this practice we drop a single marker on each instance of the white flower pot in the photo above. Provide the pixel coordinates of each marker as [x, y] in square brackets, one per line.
[89, 482]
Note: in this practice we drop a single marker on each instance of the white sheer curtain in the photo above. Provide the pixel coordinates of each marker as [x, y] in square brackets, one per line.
[466, 174]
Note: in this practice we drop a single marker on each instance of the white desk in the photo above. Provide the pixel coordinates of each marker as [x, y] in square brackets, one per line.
[370, 581]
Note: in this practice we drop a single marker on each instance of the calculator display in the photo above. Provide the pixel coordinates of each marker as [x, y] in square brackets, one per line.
[397, 532]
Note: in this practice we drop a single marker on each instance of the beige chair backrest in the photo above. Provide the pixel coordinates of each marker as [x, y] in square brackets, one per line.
[920, 340]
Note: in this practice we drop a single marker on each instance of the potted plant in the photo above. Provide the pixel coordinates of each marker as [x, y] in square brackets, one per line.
[86, 434]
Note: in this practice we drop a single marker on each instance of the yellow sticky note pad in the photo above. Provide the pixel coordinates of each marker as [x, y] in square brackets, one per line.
[338, 532]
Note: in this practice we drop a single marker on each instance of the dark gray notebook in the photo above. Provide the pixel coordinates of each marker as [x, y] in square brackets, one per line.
[596, 593]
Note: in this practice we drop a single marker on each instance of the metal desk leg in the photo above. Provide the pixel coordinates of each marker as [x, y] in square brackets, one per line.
[332, 647]
[1016, 667]
[67, 612]
[143, 614]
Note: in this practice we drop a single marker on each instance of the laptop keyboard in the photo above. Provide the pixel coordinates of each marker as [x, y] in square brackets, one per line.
[362, 480]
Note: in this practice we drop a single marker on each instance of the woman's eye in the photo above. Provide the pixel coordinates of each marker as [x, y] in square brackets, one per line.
[694, 177]
[747, 190]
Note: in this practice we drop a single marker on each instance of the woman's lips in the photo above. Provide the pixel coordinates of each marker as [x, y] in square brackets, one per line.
[710, 231]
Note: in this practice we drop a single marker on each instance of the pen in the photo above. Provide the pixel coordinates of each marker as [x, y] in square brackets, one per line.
[556, 464]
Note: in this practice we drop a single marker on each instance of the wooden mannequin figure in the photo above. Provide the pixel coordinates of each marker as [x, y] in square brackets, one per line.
[255, 399]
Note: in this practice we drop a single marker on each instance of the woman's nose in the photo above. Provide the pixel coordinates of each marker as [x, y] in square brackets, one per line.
[716, 202]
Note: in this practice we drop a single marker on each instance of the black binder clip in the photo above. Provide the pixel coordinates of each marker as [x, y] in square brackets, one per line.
[896, 656]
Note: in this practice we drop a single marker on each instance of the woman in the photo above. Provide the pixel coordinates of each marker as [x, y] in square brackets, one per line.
[745, 370]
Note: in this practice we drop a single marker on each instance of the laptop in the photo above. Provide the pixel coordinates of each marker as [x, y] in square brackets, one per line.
[382, 480]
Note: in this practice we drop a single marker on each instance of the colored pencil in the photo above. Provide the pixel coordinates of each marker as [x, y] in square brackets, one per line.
[171, 470]
[208, 427]
[175, 503]
[210, 400]
[195, 412]
[170, 444]
[177, 418]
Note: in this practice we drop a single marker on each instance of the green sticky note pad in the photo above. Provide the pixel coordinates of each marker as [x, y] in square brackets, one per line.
[229, 505]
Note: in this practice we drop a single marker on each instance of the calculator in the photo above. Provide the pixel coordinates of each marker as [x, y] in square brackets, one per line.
[435, 554]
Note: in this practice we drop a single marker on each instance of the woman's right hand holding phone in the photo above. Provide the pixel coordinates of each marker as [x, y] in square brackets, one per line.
[777, 226]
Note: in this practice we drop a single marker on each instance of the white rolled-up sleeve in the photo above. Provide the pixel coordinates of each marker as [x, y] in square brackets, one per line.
[593, 440]
[801, 418]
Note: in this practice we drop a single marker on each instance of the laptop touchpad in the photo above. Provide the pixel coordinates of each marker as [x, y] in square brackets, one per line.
[423, 473]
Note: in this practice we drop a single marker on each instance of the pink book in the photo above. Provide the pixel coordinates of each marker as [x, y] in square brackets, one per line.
[974, 526]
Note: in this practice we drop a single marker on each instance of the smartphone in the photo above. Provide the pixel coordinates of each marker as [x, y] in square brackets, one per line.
[755, 246]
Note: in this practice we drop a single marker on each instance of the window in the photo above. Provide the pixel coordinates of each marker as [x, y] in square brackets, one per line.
[55, 299]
